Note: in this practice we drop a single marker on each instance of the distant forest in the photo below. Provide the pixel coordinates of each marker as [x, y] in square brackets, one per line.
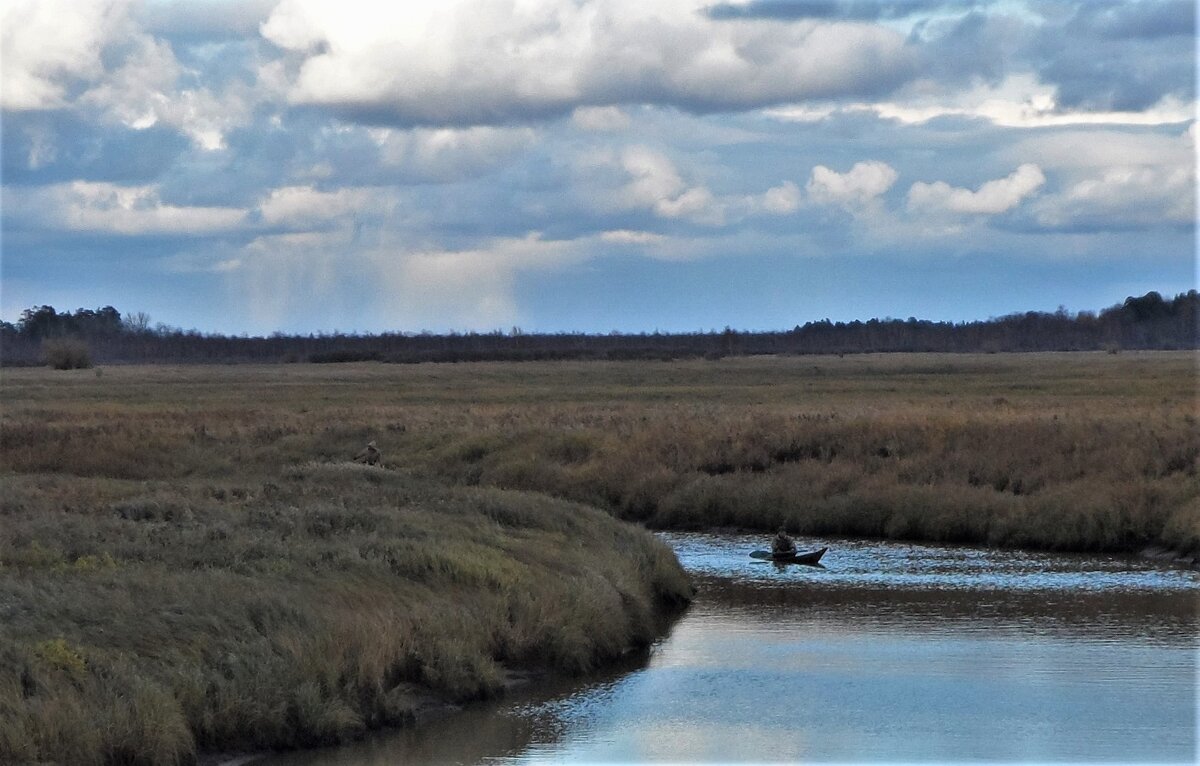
[105, 336]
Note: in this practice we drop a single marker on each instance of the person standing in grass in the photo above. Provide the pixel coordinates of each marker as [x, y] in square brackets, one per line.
[782, 544]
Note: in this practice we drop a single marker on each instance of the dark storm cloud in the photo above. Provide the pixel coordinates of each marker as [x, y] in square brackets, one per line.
[1101, 56]
[1122, 56]
[872, 74]
[1126, 58]
[974, 45]
[1119, 80]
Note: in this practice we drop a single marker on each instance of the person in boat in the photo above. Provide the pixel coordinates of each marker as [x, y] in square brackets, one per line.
[782, 544]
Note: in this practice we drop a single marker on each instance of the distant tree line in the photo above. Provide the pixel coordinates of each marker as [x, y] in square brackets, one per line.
[1146, 322]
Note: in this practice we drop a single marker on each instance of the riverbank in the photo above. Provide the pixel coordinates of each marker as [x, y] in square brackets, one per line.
[148, 621]
[904, 652]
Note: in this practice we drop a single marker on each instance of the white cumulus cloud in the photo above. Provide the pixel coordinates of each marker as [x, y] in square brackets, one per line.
[782, 199]
[1018, 101]
[993, 197]
[655, 184]
[444, 154]
[630, 237]
[108, 208]
[649, 180]
[1123, 197]
[305, 207]
[491, 61]
[91, 56]
[49, 45]
[1111, 180]
[856, 187]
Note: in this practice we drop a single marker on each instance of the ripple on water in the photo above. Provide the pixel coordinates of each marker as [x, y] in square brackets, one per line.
[857, 563]
[885, 586]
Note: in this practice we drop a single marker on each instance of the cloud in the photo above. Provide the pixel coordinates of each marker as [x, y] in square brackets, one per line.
[312, 277]
[782, 199]
[203, 22]
[91, 56]
[606, 119]
[655, 184]
[1097, 56]
[993, 197]
[329, 278]
[142, 92]
[43, 147]
[853, 189]
[134, 92]
[1088, 149]
[628, 237]
[790, 10]
[448, 154]
[1123, 198]
[303, 207]
[1116, 181]
[1018, 101]
[107, 208]
[469, 63]
[640, 178]
[473, 287]
[50, 45]
[1122, 55]
[1144, 20]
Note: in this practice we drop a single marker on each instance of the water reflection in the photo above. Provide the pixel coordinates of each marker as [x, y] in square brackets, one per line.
[891, 652]
[859, 563]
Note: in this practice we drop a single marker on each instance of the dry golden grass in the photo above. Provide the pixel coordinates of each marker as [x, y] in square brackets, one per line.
[1082, 451]
[1059, 451]
[182, 569]
[141, 621]
[187, 561]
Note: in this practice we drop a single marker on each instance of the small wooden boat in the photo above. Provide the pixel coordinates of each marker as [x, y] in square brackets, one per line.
[792, 557]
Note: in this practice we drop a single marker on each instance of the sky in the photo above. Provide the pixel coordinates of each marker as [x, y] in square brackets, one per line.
[304, 166]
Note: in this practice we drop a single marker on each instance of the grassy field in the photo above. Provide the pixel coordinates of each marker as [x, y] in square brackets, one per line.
[1064, 451]
[187, 561]
[179, 573]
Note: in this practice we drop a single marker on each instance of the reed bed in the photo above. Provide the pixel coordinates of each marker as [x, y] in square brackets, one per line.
[146, 621]
[1072, 451]
[188, 562]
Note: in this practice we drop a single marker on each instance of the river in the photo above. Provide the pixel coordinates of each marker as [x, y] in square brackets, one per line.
[890, 652]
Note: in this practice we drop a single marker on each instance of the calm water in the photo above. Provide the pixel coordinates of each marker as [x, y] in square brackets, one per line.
[891, 652]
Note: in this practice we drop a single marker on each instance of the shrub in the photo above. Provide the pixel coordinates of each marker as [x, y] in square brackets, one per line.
[67, 354]
[343, 356]
[58, 654]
